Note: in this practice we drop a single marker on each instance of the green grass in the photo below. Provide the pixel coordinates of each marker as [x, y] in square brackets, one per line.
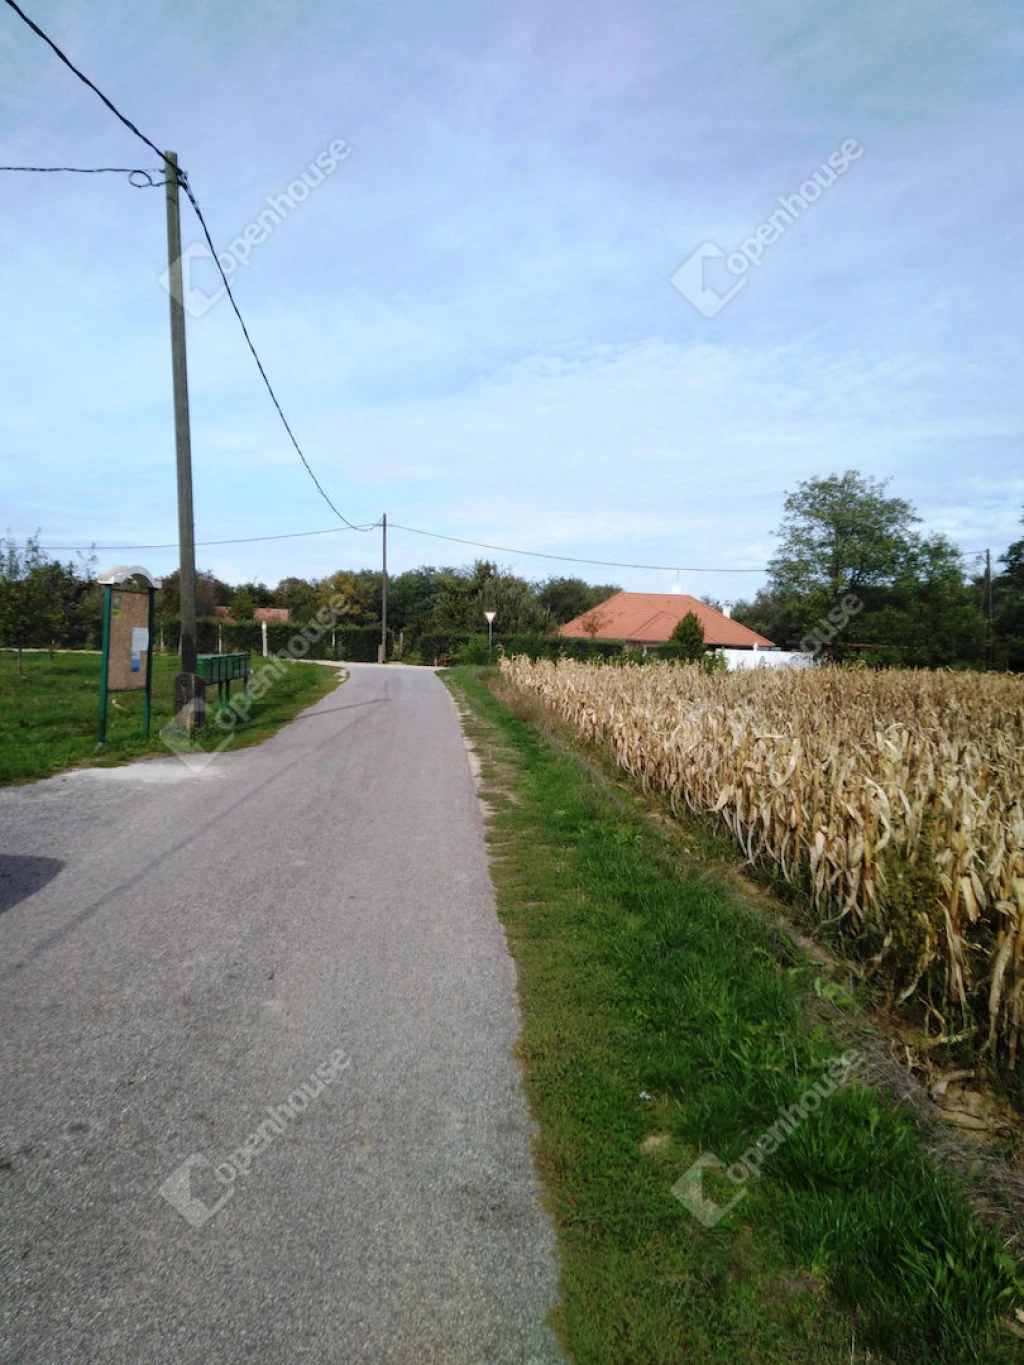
[638, 975]
[48, 716]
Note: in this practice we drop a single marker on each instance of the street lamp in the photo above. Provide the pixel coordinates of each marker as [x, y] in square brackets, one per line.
[489, 618]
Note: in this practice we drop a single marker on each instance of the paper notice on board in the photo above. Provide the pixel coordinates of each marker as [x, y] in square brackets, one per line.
[140, 639]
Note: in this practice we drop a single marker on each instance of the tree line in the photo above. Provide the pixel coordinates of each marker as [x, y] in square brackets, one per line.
[852, 578]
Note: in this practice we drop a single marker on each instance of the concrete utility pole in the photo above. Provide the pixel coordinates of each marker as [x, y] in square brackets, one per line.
[384, 592]
[189, 694]
[989, 650]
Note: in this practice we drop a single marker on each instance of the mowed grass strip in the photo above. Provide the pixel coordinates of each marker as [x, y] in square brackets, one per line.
[658, 1024]
[48, 716]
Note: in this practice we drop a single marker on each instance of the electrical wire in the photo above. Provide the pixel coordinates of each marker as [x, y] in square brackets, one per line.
[173, 544]
[393, 525]
[129, 171]
[435, 535]
[84, 78]
[183, 181]
[568, 559]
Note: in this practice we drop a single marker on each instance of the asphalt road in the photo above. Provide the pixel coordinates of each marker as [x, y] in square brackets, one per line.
[181, 953]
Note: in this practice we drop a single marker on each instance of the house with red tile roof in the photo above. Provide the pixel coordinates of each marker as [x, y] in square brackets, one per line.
[649, 618]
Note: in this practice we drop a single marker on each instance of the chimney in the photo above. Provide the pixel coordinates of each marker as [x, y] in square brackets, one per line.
[727, 610]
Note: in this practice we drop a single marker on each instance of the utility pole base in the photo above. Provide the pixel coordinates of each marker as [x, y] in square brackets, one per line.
[189, 700]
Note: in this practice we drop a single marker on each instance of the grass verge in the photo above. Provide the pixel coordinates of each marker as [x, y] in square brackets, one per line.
[660, 1023]
[48, 716]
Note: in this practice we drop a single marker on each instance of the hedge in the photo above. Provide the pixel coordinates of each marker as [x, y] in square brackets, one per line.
[358, 644]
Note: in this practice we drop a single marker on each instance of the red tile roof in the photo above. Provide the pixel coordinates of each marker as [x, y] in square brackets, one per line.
[649, 618]
[260, 614]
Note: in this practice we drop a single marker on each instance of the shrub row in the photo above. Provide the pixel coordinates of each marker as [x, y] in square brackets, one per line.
[355, 643]
[359, 644]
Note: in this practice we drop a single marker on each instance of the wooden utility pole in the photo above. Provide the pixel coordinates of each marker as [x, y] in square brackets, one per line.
[384, 591]
[189, 694]
[989, 650]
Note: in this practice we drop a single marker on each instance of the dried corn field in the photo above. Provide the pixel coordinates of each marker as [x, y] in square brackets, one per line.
[894, 800]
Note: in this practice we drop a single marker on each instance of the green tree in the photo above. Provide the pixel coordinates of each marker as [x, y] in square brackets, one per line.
[465, 595]
[567, 598]
[29, 615]
[840, 535]
[413, 597]
[243, 608]
[259, 592]
[929, 616]
[1008, 606]
[210, 593]
[687, 640]
[298, 597]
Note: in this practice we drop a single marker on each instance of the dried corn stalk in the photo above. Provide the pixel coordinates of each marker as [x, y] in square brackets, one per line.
[895, 798]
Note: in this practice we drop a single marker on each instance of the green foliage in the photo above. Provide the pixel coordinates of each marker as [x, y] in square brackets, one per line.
[1008, 601]
[843, 540]
[713, 661]
[43, 604]
[464, 597]
[474, 651]
[298, 597]
[243, 608]
[566, 598]
[840, 534]
[687, 640]
[210, 593]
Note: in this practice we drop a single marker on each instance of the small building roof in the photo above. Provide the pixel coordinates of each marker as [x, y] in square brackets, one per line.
[649, 618]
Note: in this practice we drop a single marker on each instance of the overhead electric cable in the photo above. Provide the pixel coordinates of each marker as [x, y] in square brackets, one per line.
[84, 78]
[435, 535]
[183, 180]
[569, 559]
[459, 540]
[129, 171]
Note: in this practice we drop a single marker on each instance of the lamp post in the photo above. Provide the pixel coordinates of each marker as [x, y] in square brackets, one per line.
[489, 618]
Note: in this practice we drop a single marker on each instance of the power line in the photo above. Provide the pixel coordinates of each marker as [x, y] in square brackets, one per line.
[568, 559]
[84, 78]
[237, 540]
[147, 183]
[436, 535]
[183, 182]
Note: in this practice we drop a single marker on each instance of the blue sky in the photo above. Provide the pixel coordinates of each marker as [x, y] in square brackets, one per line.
[471, 323]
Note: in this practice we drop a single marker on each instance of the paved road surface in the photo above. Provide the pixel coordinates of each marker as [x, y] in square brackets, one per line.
[186, 952]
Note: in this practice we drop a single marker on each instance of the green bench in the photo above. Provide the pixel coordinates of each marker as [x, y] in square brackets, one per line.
[224, 669]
